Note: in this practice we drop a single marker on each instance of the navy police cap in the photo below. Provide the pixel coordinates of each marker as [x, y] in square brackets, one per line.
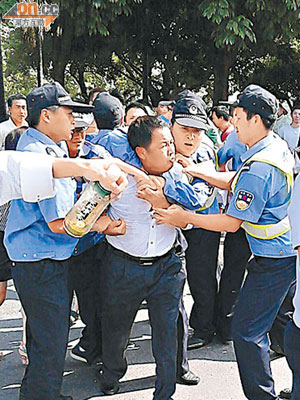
[258, 101]
[189, 112]
[53, 94]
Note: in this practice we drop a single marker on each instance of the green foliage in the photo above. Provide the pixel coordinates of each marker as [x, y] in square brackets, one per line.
[162, 47]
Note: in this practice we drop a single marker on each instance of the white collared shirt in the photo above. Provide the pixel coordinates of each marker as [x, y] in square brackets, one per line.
[143, 237]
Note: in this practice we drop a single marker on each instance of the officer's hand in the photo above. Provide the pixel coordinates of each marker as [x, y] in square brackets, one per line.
[204, 170]
[116, 227]
[174, 216]
[184, 161]
[101, 224]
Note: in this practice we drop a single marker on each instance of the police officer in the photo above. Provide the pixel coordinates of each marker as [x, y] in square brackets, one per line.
[261, 193]
[189, 124]
[38, 246]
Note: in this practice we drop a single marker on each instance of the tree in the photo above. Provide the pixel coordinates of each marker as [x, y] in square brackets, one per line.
[256, 25]
[4, 6]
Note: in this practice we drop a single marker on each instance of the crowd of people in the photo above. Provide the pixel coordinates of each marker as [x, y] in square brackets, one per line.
[187, 176]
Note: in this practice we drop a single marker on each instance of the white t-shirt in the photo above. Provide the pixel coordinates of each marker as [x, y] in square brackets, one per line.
[290, 135]
[25, 175]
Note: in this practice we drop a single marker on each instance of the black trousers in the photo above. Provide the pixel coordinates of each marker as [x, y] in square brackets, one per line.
[213, 307]
[5, 263]
[201, 264]
[43, 291]
[85, 280]
[125, 285]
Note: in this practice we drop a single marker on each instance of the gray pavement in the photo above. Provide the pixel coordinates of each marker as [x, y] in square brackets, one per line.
[215, 364]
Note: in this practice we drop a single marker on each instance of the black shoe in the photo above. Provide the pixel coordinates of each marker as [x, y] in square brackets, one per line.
[277, 349]
[195, 342]
[109, 390]
[285, 394]
[80, 354]
[189, 378]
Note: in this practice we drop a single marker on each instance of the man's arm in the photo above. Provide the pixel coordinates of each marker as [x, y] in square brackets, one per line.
[180, 218]
[30, 175]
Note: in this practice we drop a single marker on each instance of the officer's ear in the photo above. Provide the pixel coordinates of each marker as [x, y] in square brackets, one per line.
[45, 115]
[256, 118]
[141, 152]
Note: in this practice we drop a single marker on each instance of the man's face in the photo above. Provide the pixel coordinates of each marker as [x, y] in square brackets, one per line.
[132, 114]
[76, 142]
[61, 123]
[159, 156]
[187, 139]
[215, 120]
[18, 112]
[242, 125]
[166, 111]
[296, 116]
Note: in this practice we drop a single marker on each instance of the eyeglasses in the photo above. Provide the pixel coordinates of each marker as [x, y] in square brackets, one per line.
[79, 130]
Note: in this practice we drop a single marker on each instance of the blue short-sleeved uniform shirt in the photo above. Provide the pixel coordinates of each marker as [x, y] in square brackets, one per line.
[232, 149]
[27, 235]
[264, 193]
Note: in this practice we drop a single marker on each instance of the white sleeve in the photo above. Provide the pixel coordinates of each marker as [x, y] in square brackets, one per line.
[36, 177]
[294, 214]
[25, 175]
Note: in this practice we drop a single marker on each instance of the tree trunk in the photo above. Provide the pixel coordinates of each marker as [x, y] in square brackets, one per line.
[61, 46]
[2, 97]
[145, 76]
[221, 74]
[81, 83]
[40, 68]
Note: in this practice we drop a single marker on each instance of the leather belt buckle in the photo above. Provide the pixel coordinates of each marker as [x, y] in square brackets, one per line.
[146, 262]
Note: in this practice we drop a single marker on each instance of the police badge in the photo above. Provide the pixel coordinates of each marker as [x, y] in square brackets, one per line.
[243, 200]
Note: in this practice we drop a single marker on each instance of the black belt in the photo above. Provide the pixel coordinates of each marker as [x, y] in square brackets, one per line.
[143, 261]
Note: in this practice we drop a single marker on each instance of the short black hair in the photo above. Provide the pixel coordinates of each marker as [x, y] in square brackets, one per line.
[17, 96]
[221, 111]
[296, 106]
[34, 116]
[141, 130]
[268, 122]
[135, 104]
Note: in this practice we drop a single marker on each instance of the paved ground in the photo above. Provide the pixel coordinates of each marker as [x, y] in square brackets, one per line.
[215, 364]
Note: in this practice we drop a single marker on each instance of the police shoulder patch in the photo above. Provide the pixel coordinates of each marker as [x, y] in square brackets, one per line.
[243, 200]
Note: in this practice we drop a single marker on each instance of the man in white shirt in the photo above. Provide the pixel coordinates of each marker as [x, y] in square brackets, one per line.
[18, 112]
[290, 133]
[142, 264]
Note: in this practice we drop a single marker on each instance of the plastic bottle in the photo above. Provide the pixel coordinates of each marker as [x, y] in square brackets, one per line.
[88, 208]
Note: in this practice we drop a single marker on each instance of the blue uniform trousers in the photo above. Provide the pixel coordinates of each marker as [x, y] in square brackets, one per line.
[292, 351]
[126, 284]
[262, 294]
[42, 287]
